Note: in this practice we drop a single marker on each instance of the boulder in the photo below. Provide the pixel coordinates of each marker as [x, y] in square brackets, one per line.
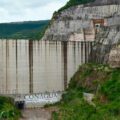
[88, 97]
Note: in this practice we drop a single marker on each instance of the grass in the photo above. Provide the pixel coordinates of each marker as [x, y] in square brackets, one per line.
[7, 109]
[100, 80]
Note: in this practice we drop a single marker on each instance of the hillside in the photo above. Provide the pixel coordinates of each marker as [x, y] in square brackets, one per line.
[96, 21]
[93, 94]
[23, 30]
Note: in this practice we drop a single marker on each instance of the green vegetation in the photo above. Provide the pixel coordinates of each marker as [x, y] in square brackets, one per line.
[33, 30]
[7, 109]
[71, 3]
[99, 80]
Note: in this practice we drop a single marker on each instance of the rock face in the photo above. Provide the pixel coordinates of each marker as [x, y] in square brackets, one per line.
[114, 57]
[104, 2]
[105, 42]
[98, 21]
[81, 23]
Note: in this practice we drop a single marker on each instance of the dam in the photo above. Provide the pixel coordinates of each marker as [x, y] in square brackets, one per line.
[30, 67]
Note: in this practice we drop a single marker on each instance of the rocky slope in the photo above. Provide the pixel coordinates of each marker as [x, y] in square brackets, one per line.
[105, 2]
[80, 21]
[97, 21]
[106, 49]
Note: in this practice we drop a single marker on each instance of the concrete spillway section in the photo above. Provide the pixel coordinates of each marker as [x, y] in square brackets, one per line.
[37, 100]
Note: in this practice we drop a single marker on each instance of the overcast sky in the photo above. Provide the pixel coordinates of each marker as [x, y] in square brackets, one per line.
[25, 10]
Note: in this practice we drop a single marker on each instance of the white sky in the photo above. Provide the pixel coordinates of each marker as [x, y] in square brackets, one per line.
[28, 10]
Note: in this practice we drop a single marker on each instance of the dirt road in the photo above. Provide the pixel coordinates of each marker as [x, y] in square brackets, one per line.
[37, 114]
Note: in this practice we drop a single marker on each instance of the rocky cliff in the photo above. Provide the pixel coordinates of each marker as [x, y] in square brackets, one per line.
[79, 22]
[98, 21]
[107, 42]
[104, 2]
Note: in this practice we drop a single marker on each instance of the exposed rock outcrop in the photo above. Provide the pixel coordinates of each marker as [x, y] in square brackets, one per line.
[114, 57]
[80, 23]
[104, 2]
[88, 97]
[106, 40]
[98, 21]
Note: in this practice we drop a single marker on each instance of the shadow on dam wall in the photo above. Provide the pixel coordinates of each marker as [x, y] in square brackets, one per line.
[31, 66]
[39, 66]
